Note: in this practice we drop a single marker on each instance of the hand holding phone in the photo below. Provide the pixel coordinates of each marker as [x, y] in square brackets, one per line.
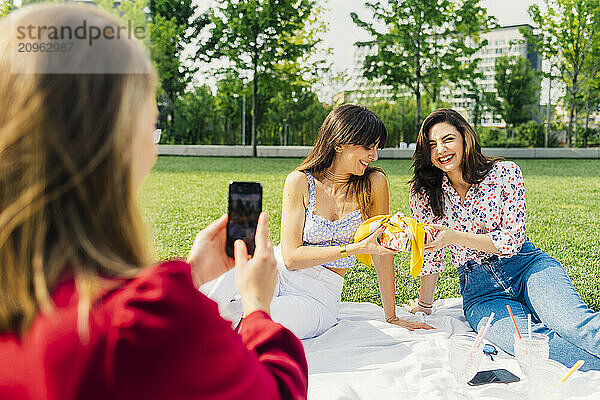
[245, 205]
[207, 256]
[256, 278]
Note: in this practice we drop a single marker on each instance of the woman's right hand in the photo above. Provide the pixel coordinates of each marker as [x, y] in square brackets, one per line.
[256, 278]
[370, 244]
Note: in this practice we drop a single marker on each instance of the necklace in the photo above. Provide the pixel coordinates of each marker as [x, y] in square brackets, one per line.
[336, 179]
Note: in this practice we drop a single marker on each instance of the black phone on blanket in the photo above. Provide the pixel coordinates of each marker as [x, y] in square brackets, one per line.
[245, 205]
[493, 376]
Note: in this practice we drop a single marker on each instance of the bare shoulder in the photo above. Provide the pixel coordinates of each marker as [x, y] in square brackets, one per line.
[296, 179]
[378, 179]
[296, 186]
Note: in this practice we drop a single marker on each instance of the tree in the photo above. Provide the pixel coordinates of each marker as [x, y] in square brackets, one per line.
[173, 27]
[195, 118]
[570, 28]
[423, 43]
[292, 111]
[592, 102]
[228, 106]
[545, 45]
[481, 101]
[518, 87]
[255, 35]
[6, 7]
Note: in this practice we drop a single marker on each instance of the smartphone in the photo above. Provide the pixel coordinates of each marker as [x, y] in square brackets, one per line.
[245, 205]
[493, 376]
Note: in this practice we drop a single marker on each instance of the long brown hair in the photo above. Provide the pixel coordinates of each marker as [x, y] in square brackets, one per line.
[427, 178]
[67, 201]
[347, 124]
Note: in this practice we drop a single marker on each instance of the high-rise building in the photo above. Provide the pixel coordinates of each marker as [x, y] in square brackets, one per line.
[506, 40]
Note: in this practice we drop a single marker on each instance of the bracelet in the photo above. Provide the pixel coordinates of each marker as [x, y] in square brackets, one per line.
[424, 305]
[343, 251]
[392, 319]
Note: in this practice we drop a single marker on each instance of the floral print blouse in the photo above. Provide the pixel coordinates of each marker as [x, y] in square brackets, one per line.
[496, 207]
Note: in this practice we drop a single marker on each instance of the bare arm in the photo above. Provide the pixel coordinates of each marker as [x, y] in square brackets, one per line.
[476, 241]
[295, 254]
[433, 263]
[384, 264]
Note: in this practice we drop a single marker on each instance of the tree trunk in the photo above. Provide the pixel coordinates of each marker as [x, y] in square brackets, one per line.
[572, 108]
[418, 94]
[587, 119]
[244, 116]
[418, 113]
[574, 140]
[254, 91]
[547, 134]
[570, 129]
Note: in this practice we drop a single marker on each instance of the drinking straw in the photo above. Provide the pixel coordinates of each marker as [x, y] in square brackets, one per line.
[529, 325]
[484, 331]
[513, 320]
[574, 368]
[478, 341]
[487, 328]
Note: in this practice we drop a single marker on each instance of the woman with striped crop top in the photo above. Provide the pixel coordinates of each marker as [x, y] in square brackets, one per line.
[325, 199]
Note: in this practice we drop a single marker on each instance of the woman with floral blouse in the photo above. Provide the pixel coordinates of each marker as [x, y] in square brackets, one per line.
[477, 204]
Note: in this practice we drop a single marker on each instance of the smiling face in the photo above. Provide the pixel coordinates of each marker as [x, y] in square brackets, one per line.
[446, 147]
[354, 159]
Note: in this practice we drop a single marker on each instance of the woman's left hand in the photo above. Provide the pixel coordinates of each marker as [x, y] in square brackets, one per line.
[207, 256]
[410, 325]
[442, 239]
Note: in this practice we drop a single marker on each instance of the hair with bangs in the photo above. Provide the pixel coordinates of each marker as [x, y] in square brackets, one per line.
[427, 178]
[67, 200]
[347, 124]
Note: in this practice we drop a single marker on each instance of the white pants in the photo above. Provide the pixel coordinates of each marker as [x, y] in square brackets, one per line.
[306, 301]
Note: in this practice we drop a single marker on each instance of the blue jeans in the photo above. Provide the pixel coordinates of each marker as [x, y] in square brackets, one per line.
[531, 282]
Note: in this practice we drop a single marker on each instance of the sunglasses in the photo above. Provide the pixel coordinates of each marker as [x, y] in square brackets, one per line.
[156, 136]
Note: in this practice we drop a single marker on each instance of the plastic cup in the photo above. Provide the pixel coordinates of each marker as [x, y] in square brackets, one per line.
[463, 359]
[529, 351]
[543, 380]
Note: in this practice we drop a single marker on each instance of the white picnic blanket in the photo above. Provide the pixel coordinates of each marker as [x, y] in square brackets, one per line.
[363, 357]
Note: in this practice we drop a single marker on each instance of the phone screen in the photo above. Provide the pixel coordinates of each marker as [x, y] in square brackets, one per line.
[493, 376]
[245, 205]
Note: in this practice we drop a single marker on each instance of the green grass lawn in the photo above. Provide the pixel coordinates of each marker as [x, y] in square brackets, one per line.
[183, 194]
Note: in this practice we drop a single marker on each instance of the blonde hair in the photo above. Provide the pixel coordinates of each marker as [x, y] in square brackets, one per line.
[67, 202]
[348, 124]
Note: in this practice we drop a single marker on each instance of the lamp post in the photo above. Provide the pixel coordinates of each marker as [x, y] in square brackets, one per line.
[285, 131]
[243, 113]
